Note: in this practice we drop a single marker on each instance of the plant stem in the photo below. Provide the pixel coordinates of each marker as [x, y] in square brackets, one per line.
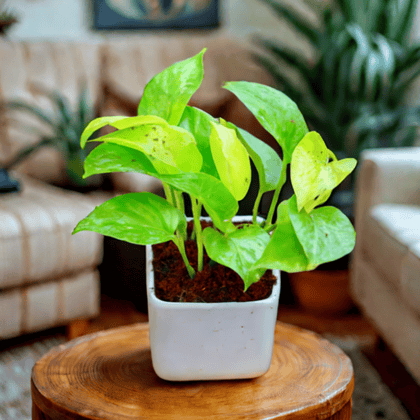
[196, 208]
[276, 195]
[168, 193]
[179, 199]
[256, 206]
[179, 242]
[200, 206]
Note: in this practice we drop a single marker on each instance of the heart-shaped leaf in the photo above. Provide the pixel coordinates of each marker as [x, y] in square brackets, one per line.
[119, 122]
[167, 93]
[108, 157]
[216, 198]
[139, 218]
[212, 193]
[231, 159]
[313, 176]
[325, 234]
[165, 145]
[275, 111]
[284, 251]
[239, 250]
[265, 158]
[198, 123]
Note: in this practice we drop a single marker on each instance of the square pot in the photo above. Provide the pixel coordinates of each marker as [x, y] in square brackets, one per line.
[208, 341]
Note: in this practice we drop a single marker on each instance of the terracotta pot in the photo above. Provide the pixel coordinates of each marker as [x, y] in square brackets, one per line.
[209, 341]
[322, 292]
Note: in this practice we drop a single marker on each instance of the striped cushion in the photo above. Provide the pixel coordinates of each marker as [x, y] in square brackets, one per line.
[36, 244]
[41, 306]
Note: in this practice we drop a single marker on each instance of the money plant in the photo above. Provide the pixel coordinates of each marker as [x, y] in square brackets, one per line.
[194, 154]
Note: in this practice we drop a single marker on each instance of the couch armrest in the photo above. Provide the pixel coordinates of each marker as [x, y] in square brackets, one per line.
[386, 176]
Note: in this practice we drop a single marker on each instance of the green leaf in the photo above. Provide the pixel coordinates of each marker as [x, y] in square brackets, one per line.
[284, 251]
[231, 159]
[167, 146]
[198, 123]
[34, 110]
[291, 57]
[265, 158]
[277, 113]
[325, 234]
[302, 25]
[108, 158]
[215, 197]
[138, 218]
[238, 250]
[97, 124]
[168, 93]
[119, 122]
[313, 176]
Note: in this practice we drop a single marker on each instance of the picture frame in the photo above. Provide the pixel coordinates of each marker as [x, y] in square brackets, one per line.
[155, 14]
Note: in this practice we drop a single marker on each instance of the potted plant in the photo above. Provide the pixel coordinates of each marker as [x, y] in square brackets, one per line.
[60, 129]
[194, 154]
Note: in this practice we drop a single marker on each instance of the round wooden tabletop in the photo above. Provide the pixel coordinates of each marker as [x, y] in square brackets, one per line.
[109, 375]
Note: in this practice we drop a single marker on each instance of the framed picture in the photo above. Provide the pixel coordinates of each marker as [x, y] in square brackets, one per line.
[155, 14]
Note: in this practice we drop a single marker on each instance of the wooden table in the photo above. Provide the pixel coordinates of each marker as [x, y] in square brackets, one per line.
[109, 375]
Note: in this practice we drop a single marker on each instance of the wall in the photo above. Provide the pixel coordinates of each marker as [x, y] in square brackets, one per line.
[70, 19]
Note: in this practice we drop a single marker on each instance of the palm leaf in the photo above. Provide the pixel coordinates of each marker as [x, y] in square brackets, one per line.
[405, 78]
[26, 152]
[400, 14]
[289, 56]
[31, 109]
[298, 22]
[359, 57]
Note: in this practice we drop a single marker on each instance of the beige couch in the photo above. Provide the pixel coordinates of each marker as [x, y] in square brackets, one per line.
[386, 266]
[47, 276]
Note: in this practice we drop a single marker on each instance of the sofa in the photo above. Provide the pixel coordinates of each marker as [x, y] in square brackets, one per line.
[385, 275]
[49, 277]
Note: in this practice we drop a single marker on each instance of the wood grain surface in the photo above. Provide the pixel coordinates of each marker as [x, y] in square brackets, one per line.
[109, 375]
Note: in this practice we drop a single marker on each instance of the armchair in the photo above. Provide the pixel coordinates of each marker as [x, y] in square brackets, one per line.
[385, 275]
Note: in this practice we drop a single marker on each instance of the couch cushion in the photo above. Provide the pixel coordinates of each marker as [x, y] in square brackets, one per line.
[390, 230]
[225, 60]
[40, 306]
[410, 277]
[28, 68]
[35, 234]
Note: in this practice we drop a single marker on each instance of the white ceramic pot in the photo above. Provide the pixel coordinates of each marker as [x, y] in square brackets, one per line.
[208, 341]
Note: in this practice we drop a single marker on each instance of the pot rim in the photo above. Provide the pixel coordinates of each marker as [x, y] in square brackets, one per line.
[206, 305]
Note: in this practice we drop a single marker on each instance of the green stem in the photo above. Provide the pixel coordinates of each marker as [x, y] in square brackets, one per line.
[200, 206]
[256, 206]
[179, 242]
[168, 193]
[196, 208]
[181, 207]
[276, 195]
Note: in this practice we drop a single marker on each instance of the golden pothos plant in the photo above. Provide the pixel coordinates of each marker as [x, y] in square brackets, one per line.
[208, 159]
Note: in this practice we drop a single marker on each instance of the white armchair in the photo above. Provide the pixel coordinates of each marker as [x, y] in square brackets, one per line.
[385, 277]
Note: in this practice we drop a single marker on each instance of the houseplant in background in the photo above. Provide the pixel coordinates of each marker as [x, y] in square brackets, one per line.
[60, 128]
[353, 91]
[226, 328]
[7, 17]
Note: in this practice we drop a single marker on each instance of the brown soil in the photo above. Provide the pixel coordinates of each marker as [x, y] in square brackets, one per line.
[215, 283]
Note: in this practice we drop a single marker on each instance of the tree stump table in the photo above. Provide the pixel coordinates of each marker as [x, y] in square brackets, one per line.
[109, 375]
